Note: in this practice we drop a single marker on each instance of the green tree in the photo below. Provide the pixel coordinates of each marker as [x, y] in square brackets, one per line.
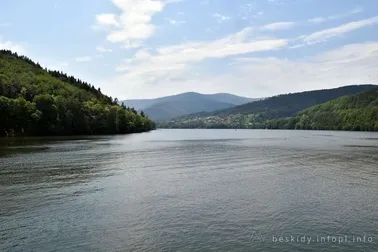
[36, 101]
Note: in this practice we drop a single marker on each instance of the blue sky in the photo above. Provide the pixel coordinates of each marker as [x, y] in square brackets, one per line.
[152, 48]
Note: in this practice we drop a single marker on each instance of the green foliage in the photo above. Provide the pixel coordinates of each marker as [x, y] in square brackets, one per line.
[351, 112]
[356, 112]
[35, 101]
[286, 105]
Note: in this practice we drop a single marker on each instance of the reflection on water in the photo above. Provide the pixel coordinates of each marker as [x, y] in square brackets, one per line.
[189, 190]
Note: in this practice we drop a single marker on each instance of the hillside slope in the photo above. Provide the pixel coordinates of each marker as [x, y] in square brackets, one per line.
[35, 101]
[289, 104]
[164, 108]
[354, 112]
[256, 114]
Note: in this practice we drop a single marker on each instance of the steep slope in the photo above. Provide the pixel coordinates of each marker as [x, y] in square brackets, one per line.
[35, 101]
[255, 114]
[186, 103]
[353, 112]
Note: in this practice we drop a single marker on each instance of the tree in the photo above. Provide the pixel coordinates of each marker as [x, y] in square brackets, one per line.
[37, 101]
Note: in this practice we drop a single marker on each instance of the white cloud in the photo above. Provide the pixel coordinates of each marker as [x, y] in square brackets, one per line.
[220, 18]
[352, 53]
[83, 59]
[142, 54]
[175, 22]
[196, 65]
[179, 61]
[278, 26]
[259, 77]
[297, 46]
[131, 45]
[133, 25]
[235, 44]
[103, 49]
[326, 34]
[318, 20]
[108, 20]
[350, 64]
[9, 45]
[337, 16]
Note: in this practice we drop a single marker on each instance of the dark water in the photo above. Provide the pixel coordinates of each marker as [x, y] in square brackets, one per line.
[191, 190]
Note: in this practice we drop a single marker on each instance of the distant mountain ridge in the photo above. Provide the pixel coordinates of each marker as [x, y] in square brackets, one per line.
[284, 105]
[168, 107]
[257, 114]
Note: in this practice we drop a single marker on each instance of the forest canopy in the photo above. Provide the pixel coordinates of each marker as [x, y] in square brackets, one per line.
[37, 101]
[346, 108]
[354, 112]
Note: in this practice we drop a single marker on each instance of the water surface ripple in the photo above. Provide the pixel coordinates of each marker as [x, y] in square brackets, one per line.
[191, 190]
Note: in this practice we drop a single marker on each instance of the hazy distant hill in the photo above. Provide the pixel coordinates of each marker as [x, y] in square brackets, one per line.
[186, 103]
[256, 114]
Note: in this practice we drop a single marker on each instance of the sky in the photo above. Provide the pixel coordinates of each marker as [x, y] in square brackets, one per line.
[151, 48]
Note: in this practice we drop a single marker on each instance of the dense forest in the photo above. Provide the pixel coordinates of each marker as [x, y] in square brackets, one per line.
[354, 109]
[355, 112]
[288, 104]
[36, 101]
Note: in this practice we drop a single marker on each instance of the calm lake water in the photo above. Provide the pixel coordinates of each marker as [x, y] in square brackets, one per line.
[191, 190]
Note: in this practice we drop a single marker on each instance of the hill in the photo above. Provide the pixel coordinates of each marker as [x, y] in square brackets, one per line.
[36, 101]
[167, 110]
[256, 114]
[354, 112]
[168, 107]
[289, 104]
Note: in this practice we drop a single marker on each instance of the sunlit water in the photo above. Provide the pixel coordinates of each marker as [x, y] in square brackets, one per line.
[191, 190]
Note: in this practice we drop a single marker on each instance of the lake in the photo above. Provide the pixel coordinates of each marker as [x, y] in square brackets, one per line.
[191, 190]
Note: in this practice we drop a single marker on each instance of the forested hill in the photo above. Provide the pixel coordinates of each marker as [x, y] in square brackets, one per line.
[289, 104]
[354, 112]
[257, 114]
[36, 101]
